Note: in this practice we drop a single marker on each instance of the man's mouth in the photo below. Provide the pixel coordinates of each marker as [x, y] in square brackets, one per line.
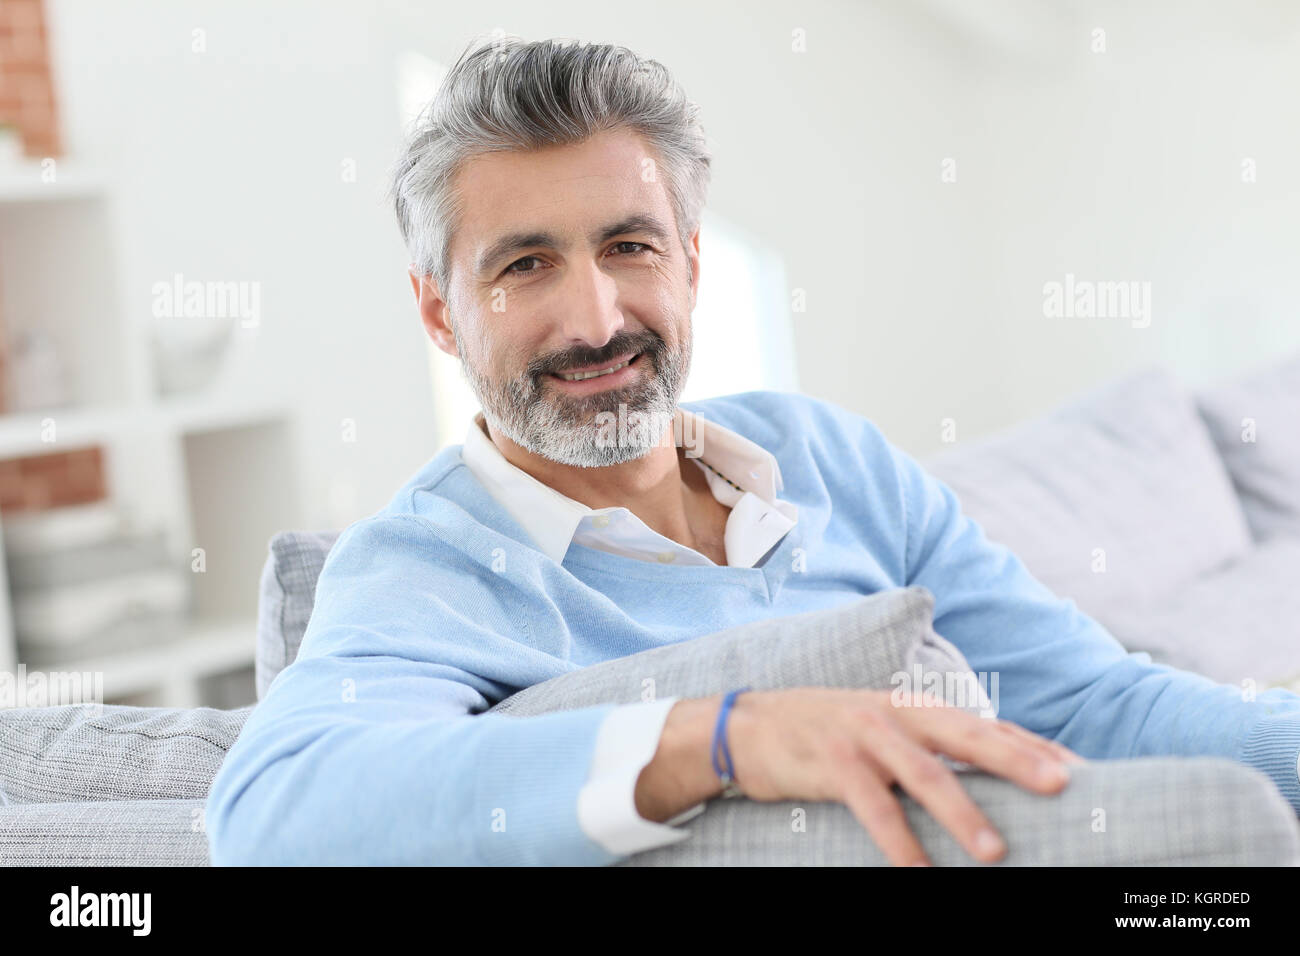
[595, 371]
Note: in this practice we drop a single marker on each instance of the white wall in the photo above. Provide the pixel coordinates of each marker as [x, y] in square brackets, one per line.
[924, 297]
[1127, 165]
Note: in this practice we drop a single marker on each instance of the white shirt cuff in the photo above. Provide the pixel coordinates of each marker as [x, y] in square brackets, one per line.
[626, 742]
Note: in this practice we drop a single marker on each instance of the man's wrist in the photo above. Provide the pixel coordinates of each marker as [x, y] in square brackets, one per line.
[680, 775]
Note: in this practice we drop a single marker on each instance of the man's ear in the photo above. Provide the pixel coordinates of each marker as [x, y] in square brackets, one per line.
[433, 311]
[693, 263]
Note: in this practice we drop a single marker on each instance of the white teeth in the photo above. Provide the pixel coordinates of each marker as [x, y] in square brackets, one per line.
[579, 376]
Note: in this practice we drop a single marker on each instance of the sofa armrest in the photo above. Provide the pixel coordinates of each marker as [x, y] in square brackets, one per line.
[74, 752]
[104, 833]
[1151, 811]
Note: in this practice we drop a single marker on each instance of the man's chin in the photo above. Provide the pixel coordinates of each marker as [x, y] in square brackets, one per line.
[583, 409]
[591, 455]
[595, 434]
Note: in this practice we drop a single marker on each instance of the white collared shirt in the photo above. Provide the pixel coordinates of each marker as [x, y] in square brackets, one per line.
[758, 520]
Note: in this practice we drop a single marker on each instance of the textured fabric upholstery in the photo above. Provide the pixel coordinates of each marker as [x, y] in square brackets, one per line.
[1116, 500]
[866, 643]
[1255, 423]
[286, 594]
[1154, 811]
[71, 752]
[1236, 624]
[104, 833]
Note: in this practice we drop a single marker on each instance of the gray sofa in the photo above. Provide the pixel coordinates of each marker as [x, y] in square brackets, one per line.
[1149, 506]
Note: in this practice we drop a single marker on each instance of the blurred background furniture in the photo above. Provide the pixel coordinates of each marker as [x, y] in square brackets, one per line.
[138, 480]
[1170, 516]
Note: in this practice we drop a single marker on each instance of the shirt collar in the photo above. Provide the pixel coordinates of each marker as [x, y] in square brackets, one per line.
[551, 518]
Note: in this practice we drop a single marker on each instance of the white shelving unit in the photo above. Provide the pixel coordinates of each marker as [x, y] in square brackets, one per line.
[214, 470]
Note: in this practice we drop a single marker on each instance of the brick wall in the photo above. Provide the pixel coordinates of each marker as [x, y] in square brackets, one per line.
[52, 481]
[26, 83]
[27, 101]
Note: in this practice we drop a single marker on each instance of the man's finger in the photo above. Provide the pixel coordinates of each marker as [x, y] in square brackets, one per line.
[975, 740]
[1051, 746]
[878, 810]
[936, 788]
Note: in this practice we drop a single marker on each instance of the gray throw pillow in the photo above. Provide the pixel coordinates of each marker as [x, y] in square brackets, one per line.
[883, 641]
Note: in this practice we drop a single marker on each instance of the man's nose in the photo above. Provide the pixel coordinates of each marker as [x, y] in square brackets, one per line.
[589, 307]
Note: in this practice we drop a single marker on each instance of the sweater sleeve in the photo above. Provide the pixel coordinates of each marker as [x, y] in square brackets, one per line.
[372, 748]
[1058, 672]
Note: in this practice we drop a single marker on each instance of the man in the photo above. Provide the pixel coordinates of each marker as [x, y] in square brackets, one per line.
[550, 197]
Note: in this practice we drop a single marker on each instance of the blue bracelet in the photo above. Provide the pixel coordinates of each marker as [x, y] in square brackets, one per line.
[727, 775]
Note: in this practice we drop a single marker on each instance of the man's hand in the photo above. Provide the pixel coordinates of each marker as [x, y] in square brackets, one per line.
[850, 747]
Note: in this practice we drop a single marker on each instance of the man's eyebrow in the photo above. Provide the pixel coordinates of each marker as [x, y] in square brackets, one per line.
[516, 241]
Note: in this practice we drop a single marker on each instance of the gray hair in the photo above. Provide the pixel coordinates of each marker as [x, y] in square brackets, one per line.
[515, 95]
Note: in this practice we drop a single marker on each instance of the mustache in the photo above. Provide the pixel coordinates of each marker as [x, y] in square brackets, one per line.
[647, 342]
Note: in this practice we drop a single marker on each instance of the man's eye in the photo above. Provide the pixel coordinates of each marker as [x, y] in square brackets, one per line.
[641, 248]
[511, 268]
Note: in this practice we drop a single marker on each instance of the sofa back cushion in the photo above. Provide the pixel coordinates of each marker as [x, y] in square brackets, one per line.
[285, 598]
[1115, 499]
[1254, 421]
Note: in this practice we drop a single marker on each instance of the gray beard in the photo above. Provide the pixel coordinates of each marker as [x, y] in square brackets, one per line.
[610, 428]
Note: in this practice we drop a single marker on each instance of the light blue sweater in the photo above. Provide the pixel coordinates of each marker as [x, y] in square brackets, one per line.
[371, 747]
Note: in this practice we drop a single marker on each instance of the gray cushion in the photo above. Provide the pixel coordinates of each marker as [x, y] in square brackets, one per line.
[286, 595]
[871, 642]
[1263, 405]
[75, 752]
[1128, 470]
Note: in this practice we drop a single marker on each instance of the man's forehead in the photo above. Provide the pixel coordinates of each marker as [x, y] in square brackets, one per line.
[572, 191]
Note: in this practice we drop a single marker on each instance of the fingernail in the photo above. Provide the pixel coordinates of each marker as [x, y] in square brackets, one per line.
[988, 844]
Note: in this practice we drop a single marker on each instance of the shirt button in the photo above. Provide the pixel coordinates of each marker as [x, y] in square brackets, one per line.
[666, 557]
[601, 521]
[753, 474]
